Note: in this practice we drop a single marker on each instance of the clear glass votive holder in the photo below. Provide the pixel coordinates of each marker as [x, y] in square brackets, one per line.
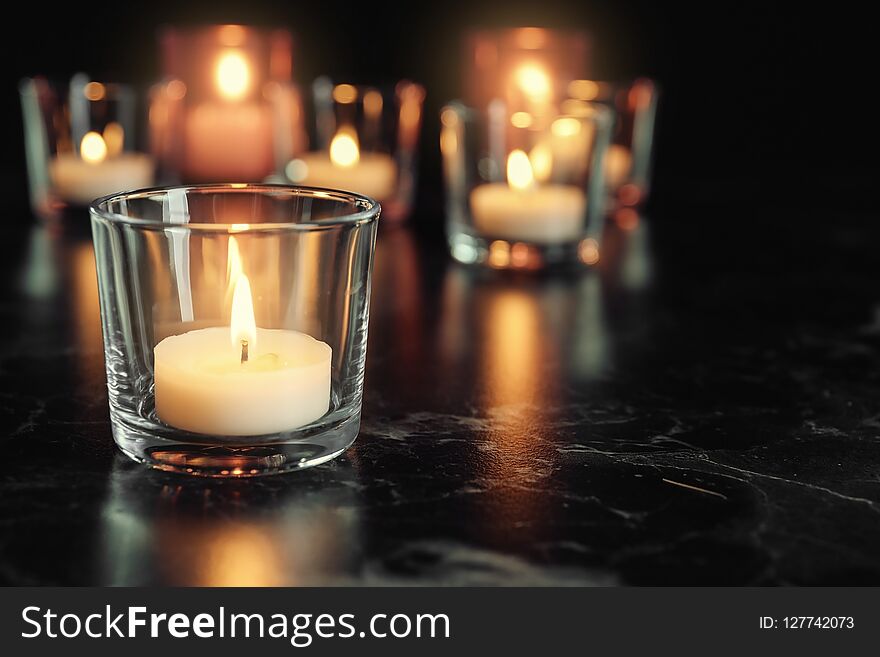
[235, 324]
[524, 190]
[629, 160]
[225, 109]
[363, 139]
[81, 143]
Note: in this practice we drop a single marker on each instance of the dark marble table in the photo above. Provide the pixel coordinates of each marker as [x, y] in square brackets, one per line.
[703, 409]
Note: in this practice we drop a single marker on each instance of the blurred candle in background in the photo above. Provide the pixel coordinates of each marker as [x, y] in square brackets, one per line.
[99, 168]
[365, 140]
[80, 143]
[520, 209]
[523, 66]
[343, 166]
[226, 110]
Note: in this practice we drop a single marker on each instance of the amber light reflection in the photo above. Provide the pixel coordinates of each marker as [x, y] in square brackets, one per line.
[85, 308]
[513, 357]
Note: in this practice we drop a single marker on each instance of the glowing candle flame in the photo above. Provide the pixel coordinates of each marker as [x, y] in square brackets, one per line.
[519, 171]
[243, 327]
[344, 151]
[92, 148]
[233, 75]
[534, 82]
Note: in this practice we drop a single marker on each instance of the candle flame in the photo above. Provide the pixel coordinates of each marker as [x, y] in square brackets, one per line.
[344, 151]
[92, 148]
[233, 75]
[534, 81]
[243, 327]
[519, 171]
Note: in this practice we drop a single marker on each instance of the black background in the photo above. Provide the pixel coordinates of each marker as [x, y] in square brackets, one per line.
[763, 102]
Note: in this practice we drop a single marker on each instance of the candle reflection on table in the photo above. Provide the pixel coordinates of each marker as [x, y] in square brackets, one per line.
[195, 533]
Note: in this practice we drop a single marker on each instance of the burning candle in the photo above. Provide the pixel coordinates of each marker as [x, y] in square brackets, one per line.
[345, 167]
[521, 210]
[229, 138]
[241, 380]
[101, 168]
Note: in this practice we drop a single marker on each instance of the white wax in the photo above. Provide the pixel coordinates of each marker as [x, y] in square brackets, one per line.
[228, 142]
[202, 386]
[374, 175]
[80, 182]
[547, 214]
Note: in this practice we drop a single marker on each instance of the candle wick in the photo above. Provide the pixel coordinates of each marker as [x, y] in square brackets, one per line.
[244, 351]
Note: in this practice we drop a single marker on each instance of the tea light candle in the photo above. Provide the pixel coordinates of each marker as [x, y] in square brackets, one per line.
[230, 138]
[241, 380]
[80, 180]
[521, 211]
[345, 167]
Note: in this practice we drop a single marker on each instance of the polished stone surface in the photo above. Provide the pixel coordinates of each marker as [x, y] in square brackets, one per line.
[703, 409]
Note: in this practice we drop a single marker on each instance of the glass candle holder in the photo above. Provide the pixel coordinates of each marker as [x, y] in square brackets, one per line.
[225, 110]
[363, 139]
[235, 324]
[629, 159]
[524, 190]
[522, 66]
[81, 143]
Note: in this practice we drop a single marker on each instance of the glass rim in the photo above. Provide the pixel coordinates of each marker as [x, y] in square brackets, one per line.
[370, 212]
[470, 113]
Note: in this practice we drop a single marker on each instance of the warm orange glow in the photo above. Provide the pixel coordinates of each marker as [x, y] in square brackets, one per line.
[345, 93]
[92, 148]
[519, 171]
[114, 138]
[565, 127]
[175, 89]
[588, 251]
[344, 151]
[240, 555]
[94, 91]
[627, 219]
[373, 104]
[534, 82]
[232, 35]
[499, 254]
[232, 75]
[521, 119]
[583, 89]
[411, 97]
[541, 160]
[448, 141]
[519, 255]
[574, 107]
[243, 325]
[531, 38]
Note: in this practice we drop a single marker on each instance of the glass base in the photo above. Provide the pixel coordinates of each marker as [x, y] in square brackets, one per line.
[263, 455]
[508, 254]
